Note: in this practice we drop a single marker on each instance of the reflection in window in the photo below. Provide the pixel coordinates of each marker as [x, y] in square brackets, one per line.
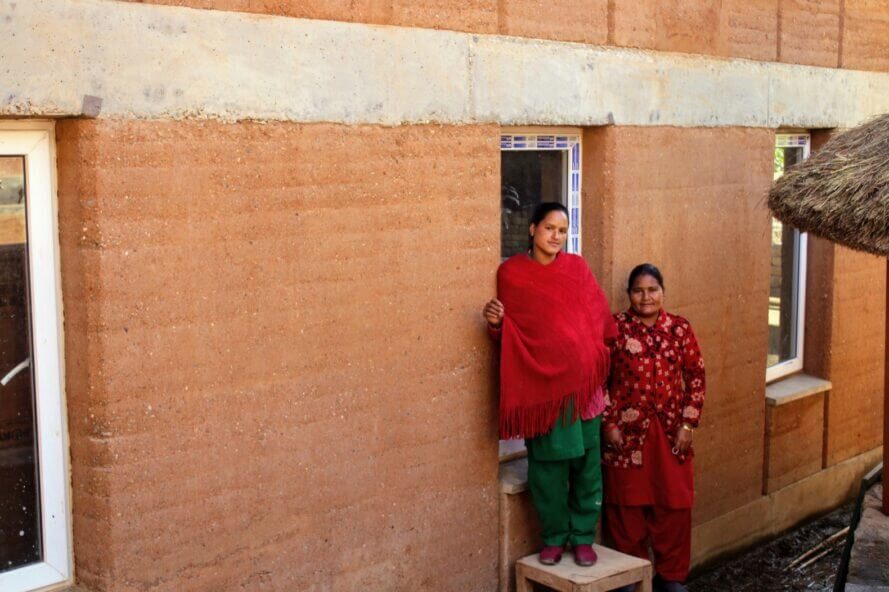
[528, 178]
[787, 270]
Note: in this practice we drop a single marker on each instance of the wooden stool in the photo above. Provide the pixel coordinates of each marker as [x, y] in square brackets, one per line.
[612, 570]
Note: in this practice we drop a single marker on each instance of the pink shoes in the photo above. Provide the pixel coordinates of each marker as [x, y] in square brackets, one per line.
[550, 555]
[584, 555]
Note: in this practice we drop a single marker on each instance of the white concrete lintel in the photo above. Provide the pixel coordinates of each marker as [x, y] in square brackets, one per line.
[163, 62]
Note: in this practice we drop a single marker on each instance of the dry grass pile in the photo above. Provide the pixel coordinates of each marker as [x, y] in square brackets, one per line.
[841, 193]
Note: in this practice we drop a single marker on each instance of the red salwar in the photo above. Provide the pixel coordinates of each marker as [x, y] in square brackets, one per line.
[652, 504]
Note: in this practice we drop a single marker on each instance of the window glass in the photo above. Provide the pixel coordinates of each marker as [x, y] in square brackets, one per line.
[528, 177]
[784, 292]
[20, 542]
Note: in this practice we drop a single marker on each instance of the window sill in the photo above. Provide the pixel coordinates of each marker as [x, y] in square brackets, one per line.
[795, 387]
[514, 476]
[511, 450]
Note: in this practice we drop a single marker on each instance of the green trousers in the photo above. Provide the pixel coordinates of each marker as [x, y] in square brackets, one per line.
[567, 492]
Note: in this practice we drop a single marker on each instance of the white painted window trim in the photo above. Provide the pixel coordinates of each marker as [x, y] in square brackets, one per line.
[534, 138]
[35, 140]
[795, 364]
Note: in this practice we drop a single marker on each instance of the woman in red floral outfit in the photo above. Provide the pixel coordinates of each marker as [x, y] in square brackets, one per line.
[656, 393]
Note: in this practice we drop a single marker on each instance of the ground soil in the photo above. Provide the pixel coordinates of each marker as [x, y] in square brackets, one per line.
[764, 568]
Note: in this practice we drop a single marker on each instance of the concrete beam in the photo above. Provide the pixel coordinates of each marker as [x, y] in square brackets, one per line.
[164, 62]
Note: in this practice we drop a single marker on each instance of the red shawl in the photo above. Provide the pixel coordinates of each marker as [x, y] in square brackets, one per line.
[553, 342]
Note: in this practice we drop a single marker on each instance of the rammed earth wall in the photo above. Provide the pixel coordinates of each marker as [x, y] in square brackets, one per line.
[186, 64]
[277, 378]
[277, 236]
[831, 33]
[690, 201]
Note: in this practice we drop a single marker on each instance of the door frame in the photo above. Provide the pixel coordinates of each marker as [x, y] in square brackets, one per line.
[35, 140]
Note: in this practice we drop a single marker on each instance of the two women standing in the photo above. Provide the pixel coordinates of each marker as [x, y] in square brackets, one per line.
[558, 340]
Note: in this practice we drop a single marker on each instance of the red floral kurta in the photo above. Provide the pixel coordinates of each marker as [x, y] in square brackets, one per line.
[656, 372]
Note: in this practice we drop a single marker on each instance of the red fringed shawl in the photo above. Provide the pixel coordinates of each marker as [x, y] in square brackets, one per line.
[553, 342]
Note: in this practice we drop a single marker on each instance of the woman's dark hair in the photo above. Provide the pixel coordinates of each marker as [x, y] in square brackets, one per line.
[545, 208]
[644, 269]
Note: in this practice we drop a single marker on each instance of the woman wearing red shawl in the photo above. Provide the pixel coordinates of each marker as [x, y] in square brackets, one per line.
[654, 403]
[552, 321]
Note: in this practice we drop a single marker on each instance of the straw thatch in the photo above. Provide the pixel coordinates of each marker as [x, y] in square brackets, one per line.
[841, 193]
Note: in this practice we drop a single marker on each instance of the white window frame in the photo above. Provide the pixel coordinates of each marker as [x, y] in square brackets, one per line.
[795, 364]
[35, 140]
[557, 139]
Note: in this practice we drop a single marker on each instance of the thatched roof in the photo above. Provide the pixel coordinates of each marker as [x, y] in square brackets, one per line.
[841, 193]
